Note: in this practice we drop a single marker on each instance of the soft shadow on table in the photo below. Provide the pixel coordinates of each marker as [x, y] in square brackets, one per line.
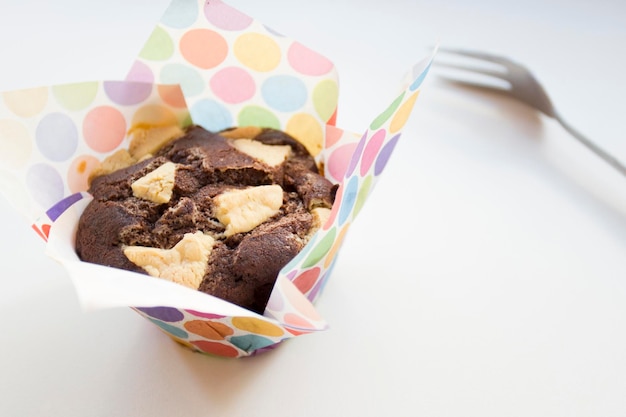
[188, 381]
[111, 360]
[483, 113]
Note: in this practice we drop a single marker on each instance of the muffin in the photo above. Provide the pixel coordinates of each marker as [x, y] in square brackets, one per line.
[221, 213]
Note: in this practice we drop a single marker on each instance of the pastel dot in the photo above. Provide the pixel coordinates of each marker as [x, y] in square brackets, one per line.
[225, 17]
[333, 135]
[257, 326]
[232, 85]
[307, 279]
[371, 150]
[159, 46]
[60, 206]
[338, 161]
[356, 155]
[56, 137]
[203, 48]
[205, 315]
[140, 72]
[419, 78]
[169, 314]
[172, 95]
[315, 291]
[79, 171]
[189, 78]
[180, 14]
[333, 118]
[385, 115]
[364, 191]
[320, 249]
[43, 232]
[75, 96]
[257, 51]
[385, 154]
[296, 331]
[16, 145]
[26, 103]
[104, 128]
[335, 209]
[403, 113]
[307, 130]
[257, 116]
[250, 342]
[294, 320]
[216, 348]
[208, 329]
[45, 184]
[300, 303]
[308, 62]
[154, 115]
[183, 342]
[284, 93]
[348, 199]
[172, 330]
[268, 348]
[211, 115]
[186, 120]
[127, 93]
[325, 97]
[332, 253]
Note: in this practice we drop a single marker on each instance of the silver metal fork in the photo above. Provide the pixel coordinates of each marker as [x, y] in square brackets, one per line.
[521, 85]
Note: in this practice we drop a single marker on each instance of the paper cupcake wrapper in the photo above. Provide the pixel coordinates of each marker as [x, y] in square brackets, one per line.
[201, 65]
[235, 71]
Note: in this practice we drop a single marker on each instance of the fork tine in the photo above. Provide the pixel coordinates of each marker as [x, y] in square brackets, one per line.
[483, 87]
[472, 69]
[524, 88]
[477, 55]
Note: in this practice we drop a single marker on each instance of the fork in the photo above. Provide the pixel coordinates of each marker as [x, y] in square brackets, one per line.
[521, 85]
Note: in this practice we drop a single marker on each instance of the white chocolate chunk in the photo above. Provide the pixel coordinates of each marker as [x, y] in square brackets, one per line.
[243, 210]
[118, 160]
[156, 186]
[320, 216]
[272, 155]
[146, 140]
[184, 264]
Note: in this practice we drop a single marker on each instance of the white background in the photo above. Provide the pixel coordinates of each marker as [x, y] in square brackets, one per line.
[485, 277]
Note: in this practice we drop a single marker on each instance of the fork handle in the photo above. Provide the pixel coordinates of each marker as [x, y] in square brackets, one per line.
[610, 159]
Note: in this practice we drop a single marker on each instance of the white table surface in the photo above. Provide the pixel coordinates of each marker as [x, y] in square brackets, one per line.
[485, 277]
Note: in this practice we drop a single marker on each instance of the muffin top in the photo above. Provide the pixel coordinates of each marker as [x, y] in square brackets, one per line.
[220, 213]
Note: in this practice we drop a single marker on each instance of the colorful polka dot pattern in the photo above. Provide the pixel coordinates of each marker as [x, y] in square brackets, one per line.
[235, 71]
[357, 162]
[51, 138]
[216, 334]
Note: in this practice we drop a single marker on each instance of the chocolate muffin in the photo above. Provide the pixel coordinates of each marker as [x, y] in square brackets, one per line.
[218, 212]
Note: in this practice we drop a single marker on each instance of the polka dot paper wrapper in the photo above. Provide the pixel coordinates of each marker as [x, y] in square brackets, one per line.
[205, 63]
